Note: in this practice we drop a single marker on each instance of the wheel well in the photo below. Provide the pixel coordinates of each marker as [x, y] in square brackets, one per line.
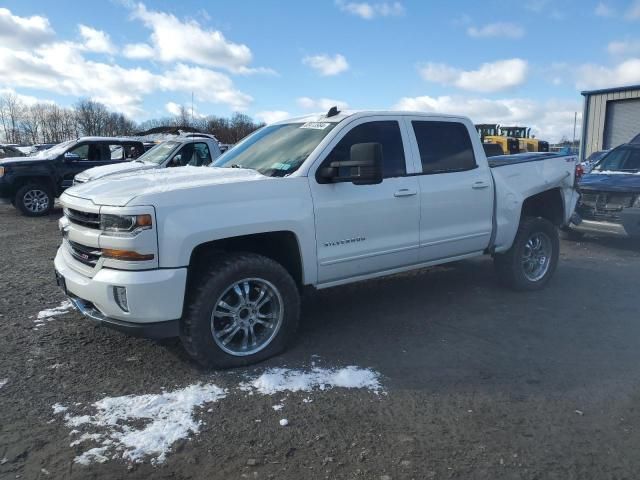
[279, 246]
[547, 205]
[22, 181]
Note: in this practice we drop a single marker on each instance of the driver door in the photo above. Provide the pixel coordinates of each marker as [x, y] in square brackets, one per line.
[364, 229]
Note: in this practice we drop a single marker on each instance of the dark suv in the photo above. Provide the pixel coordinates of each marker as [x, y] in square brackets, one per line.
[32, 183]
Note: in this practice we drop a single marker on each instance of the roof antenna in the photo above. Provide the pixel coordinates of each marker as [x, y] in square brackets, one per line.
[333, 111]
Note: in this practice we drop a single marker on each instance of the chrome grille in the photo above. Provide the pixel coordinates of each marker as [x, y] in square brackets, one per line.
[86, 219]
[82, 253]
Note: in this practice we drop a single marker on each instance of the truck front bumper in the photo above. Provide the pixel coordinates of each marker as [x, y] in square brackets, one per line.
[154, 297]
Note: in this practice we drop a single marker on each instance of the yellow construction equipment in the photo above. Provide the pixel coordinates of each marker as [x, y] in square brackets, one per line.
[526, 142]
[491, 133]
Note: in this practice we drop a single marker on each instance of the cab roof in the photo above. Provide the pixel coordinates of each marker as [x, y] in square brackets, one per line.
[353, 114]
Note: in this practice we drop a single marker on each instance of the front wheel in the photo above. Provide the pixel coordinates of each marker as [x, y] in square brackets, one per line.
[532, 259]
[34, 200]
[245, 310]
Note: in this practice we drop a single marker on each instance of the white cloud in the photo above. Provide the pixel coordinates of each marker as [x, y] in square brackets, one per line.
[61, 67]
[327, 65]
[624, 48]
[272, 116]
[174, 40]
[23, 32]
[138, 51]
[95, 40]
[604, 10]
[173, 108]
[633, 13]
[506, 30]
[320, 104]
[24, 99]
[369, 10]
[600, 76]
[489, 77]
[549, 120]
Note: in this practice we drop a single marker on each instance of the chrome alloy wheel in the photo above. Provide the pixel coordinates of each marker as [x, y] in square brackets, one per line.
[247, 317]
[536, 256]
[36, 200]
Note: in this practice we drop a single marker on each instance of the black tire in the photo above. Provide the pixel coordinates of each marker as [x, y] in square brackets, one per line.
[225, 270]
[32, 208]
[571, 233]
[509, 265]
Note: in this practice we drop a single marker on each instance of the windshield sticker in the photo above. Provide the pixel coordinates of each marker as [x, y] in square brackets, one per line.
[316, 125]
[281, 166]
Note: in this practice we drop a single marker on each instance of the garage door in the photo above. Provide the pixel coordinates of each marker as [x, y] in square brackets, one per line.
[622, 122]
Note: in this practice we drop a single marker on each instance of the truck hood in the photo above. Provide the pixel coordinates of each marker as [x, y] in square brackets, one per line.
[119, 189]
[21, 160]
[611, 182]
[104, 170]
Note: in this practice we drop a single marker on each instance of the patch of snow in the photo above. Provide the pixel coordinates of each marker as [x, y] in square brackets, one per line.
[58, 408]
[284, 422]
[612, 172]
[166, 418]
[281, 379]
[49, 313]
[3, 382]
[84, 437]
[278, 407]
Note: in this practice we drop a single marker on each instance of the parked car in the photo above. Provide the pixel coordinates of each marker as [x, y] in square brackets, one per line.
[593, 159]
[610, 195]
[218, 256]
[8, 151]
[194, 151]
[32, 183]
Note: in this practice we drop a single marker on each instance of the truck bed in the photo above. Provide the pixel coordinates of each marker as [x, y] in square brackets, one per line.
[501, 160]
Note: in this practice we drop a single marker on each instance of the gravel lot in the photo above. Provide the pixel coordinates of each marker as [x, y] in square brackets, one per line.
[479, 382]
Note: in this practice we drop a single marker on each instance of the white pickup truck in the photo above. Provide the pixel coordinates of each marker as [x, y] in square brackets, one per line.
[197, 151]
[218, 256]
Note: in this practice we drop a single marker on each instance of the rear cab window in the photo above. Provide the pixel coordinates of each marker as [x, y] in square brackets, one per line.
[444, 146]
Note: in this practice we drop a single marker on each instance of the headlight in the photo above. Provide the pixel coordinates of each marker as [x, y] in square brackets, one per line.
[1, 171]
[636, 204]
[124, 224]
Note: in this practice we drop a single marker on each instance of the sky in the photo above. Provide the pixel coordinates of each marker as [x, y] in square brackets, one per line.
[522, 64]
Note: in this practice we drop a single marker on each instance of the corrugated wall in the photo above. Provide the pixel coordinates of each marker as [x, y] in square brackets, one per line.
[594, 117]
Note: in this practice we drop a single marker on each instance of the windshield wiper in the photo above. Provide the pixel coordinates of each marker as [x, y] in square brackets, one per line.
[236, 165]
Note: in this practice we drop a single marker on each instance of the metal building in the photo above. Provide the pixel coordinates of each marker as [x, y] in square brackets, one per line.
[611, 116]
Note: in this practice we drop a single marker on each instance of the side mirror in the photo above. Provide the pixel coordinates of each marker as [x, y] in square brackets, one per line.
[364, 166]
[71, 157]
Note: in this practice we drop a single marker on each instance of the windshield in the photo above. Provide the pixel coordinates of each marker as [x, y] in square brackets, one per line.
[620, 160]
[55, 150]
[159, 153]
[276, 150]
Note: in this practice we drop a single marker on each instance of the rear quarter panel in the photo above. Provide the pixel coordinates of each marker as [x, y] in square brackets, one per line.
[517, 182]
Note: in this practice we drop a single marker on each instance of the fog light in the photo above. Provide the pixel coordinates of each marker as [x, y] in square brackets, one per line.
[120, 295]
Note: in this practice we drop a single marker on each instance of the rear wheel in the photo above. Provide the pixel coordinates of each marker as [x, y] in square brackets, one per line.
[532, 259]
[245, 310]
[34, 200]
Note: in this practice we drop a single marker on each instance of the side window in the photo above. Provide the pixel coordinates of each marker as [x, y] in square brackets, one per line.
[82, 151]
[116, 152]
[202, 155]
[444, 146]
[183, 157]
[385, 132]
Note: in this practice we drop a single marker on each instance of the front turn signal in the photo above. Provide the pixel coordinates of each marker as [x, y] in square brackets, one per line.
[127, 255]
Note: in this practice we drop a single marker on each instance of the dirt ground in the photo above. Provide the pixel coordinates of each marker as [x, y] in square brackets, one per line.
[479, 381]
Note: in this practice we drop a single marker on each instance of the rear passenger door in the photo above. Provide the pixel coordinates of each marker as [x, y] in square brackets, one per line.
[456, 193]
[364, 229]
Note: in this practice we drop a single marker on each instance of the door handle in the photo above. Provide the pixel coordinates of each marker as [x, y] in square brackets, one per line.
[480, 185]
[405, 192]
